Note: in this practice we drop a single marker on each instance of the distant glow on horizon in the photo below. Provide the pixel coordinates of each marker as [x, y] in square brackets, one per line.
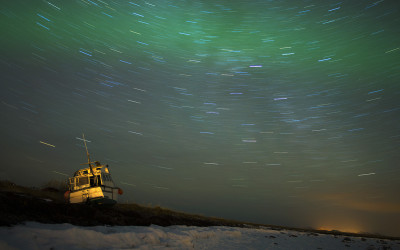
[347, 226]
[340, 229]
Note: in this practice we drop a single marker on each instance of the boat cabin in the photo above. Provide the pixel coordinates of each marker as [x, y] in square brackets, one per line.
[84, 178]
[93, 185]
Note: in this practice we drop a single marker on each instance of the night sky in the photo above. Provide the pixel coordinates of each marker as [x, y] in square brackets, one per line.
[274, 111]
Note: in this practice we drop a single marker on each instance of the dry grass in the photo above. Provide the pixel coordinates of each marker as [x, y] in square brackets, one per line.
[46, 192]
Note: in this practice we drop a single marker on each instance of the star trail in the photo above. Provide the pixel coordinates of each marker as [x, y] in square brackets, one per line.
[270, 111]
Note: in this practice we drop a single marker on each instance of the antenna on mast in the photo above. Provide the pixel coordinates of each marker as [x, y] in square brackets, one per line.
[87, 153]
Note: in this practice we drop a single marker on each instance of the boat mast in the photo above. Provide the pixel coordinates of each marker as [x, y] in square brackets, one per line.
[87, 153]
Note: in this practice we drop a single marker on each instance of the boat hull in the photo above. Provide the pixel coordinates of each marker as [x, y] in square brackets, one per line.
[95, 195]
[102, 201]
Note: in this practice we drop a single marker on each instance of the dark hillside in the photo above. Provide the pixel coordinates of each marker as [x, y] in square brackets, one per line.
[20, 204]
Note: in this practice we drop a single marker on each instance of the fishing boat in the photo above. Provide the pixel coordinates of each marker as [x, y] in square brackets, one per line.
[92, 185]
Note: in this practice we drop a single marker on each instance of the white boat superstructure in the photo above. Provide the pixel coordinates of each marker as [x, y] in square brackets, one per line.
[92, 185]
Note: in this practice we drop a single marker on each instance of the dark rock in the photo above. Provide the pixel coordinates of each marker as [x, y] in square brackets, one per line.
[346, 239]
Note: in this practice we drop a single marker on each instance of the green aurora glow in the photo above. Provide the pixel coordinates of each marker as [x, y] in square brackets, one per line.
[269, 111]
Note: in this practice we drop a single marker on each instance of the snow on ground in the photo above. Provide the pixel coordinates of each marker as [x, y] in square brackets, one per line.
[34, 235]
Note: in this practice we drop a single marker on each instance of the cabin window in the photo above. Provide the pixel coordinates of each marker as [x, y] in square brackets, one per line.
[82, 181]
[78, 182]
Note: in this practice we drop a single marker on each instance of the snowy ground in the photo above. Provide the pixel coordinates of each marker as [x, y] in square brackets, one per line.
[65, 236]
